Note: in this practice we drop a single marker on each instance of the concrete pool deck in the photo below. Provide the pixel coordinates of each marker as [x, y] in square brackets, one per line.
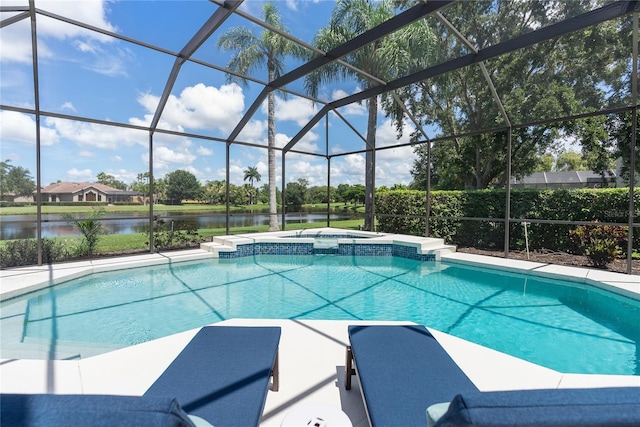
[312, 353]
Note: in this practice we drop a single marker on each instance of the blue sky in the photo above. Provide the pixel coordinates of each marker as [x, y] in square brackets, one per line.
[89, 74]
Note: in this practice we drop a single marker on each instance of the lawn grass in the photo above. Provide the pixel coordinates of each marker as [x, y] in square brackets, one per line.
[113, 243]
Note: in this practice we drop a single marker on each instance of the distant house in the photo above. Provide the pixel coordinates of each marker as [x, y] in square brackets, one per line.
[565, 179]
[87, 192]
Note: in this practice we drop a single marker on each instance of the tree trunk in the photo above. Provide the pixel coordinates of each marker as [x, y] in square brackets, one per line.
[271, 135]
[370, 166]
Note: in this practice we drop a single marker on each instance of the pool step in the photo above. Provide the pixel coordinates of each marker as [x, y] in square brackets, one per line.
[216, 248]
[428, 246]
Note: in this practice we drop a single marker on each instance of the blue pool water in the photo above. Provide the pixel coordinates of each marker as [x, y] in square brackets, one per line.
[561, 325]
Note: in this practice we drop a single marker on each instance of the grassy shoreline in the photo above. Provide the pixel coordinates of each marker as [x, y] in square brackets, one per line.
[123, 242]
[114, 243]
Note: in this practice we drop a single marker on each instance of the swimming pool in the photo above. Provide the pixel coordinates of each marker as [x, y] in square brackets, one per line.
[562, 325]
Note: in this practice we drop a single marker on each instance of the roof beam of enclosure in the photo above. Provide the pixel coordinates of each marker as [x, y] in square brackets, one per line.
[483, 68]
[301, 43]
[606, 13]
[12, 20]
[401, 20]
[337, 113]
[410, 115]
[153, 47]
[209, 27]
[159, 49]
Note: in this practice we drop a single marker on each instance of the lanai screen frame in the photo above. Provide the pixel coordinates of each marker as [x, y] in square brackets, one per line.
[419, 11]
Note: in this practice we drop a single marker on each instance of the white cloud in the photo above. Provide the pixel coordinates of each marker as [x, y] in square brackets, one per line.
[16, 44]
[236, 174]
[95, 135]
[299, 110]
[197, 107]
[86, 154]
[22, 128]
[68, 106]
[306, 144]
[167, 159]
[354, 109]
[110, 62]
[281, 140]
[204, 151]
[314, 172]
[254, 132]
[80, 175]
[386, 134]
[292, 4]
[115, 158]
[393, 166]
[263, 169]
[92, 12]
[16, 38]
[348, 169]
[124, 175]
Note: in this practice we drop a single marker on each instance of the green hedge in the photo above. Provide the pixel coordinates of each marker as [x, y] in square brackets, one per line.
[404, 212]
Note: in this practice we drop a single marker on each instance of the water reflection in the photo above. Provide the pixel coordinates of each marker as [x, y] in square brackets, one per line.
[53, 225]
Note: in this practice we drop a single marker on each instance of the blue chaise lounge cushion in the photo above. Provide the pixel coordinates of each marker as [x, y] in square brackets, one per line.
[51, 410]
[222, 375]
[611, 407]
[402, 370]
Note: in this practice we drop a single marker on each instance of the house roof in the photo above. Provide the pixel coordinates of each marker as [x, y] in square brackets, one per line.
[562, 177]
[76, 187]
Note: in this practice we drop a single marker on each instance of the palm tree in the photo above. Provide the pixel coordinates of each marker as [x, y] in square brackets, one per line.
[251, 52]
[251, 173]
[388, 58]
[215, 191]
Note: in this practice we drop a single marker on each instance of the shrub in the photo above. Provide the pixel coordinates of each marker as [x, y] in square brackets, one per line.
[176, 235]
[601, 244]
[21, 252]
[91, 229]
[402, 211]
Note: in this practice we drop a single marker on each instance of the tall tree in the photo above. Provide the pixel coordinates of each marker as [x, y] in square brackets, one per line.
[619, 127]
[251, 174]
[15, 180]
[182, 185]
[111, 181]
[141, 185]
[215, 192]
[545, 163]
[570, 161]
[387, 58]
[568, 75]
[252, 52]
[297, 193]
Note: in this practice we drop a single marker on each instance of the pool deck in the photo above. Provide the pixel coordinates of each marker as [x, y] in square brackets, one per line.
[312, 353]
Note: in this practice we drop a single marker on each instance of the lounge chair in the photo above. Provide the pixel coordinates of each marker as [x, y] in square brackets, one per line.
[60, 410]
[402, 370]
[223, 374]
[593, 407]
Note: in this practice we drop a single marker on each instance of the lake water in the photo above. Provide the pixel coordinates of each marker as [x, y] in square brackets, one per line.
[24, 226]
